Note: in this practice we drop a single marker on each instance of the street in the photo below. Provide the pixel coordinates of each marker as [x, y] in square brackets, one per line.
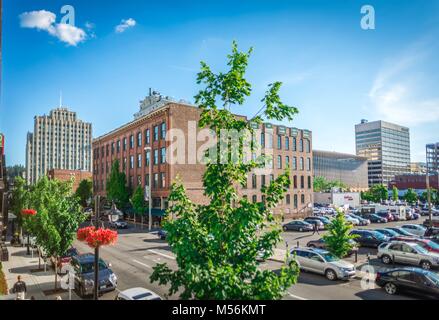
[137, 252]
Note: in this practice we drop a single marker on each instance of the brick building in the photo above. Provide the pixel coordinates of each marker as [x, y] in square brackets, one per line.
[414, 181]
[66, 175]
[149, 129]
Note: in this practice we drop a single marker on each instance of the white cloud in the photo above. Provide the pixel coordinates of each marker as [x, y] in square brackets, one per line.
[125, 24]
[45, 20]
[396, 92]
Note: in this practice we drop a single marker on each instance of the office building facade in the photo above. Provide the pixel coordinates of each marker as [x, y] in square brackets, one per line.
[432, 152]
[387, 147]
[350, 169]
[59, 141]
[144, 144]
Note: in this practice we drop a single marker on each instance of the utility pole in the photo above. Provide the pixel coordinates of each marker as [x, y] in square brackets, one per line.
[96, 264]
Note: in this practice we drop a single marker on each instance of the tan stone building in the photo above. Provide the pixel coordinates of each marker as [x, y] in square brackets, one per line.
[161, 116]
[59, 141]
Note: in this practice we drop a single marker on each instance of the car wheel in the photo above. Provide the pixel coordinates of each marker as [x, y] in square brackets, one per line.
[331, 275]
[426, 265]
[390, 288]
[386, 259]
[285, 228]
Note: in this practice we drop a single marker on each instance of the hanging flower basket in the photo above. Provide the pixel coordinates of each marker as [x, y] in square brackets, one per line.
[28, 212]
[97, 237]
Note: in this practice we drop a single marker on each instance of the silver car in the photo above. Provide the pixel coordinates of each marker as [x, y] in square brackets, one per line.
[322, 262]
[407, 253]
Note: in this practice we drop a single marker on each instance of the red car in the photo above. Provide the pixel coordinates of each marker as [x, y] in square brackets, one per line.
[387, 215]
[427, 244]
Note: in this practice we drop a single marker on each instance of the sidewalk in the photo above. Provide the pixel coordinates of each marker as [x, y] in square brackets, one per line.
[38, 282]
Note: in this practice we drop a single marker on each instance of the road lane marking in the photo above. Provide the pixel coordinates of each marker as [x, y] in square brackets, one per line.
[143, 264]
[296, 297]
[161, 254]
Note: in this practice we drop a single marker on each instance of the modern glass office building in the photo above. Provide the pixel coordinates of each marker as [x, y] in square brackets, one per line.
[347, 168]
[432, 151]
[387, 147]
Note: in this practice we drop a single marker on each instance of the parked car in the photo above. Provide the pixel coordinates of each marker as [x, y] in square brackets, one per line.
[352, 220]
[374, 218]
[119, 224]
[415, 229]
[415, 216]
[407, 253]
[137, 294]
[427, 244]
[385, 214]
[298, 225]
[315, 221]
[322, 262]
[363, 221]
[387, 232]
[410, 279]
[320, 244]
[162, 234]
[401, 232]
[369, 238]
[84, 275]
[431, 231]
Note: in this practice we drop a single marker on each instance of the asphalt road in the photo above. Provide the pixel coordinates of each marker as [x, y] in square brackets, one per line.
[138, 251]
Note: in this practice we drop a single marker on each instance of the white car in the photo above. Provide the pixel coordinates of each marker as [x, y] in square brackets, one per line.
[352, 220]
[137, 294]
[415, 229]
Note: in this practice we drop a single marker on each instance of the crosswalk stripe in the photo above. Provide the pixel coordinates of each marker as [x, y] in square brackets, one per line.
[161, 254]
[143, 264]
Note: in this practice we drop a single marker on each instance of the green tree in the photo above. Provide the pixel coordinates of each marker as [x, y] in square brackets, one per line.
[338, 239]
[376, 193]
[433, 196]
[411, 196]
[58, 217]
[395, 196]
[84, 191]
[117, 190]
[217, 244]
[138, 202]
[321, 184]
[19, 199]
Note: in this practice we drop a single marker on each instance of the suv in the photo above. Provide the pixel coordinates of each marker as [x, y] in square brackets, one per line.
[369, 238]
[407, 253]
[84, 275]
[322, 262]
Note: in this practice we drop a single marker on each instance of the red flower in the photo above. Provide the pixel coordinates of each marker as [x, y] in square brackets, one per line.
[28, 212]
[97, 237]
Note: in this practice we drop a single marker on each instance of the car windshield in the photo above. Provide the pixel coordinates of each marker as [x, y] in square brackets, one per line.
[433, 277]
[329, 257]
[402, 231]
[142, 295]
[325, 219]
[90, 266]
[378, 235]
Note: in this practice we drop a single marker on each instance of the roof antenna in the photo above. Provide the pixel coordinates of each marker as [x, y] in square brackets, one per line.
[60, 99]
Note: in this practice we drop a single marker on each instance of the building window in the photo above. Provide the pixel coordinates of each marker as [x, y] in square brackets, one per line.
[294, 144]
[254, 181]
[124, 144]
[287, 161]
[301, 163]
[302, 182]
[147, 157]
[139, 161]
[112, 148]
[156, 156]
[156, 133]
[131, 141]
[295, 182]
[263, 180]
[288, 199]
[131, 182]
[279, 142]
[124, 164]
[131, 162]
[139, 180]
[295, 201]
[156, 180]
[307, 146]
[163, 130]
[308, 164]
[309, 182]
[279, 162]
[254, 198]
[147, 137]
[294, 163]
[147, 180]
[271, 178]
[262, 140]
[301, 145]
[270, 140]
[118, 146]
[163, 155]
[139, 139]
[107, 150]
[162, 180]
[302, 199]
[287, 143]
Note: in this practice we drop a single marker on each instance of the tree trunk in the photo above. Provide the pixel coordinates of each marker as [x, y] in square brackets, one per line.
[56, 274]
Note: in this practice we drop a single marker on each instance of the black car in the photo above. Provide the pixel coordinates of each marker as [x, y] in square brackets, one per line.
[409, 279]
[374, 218]
[298, 225]
[369, 238]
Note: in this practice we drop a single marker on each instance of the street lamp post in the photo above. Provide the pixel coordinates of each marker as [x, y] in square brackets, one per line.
[149, 188]
[96, 284]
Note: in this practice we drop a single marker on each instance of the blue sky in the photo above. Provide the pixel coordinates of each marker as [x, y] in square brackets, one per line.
[335, 72]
